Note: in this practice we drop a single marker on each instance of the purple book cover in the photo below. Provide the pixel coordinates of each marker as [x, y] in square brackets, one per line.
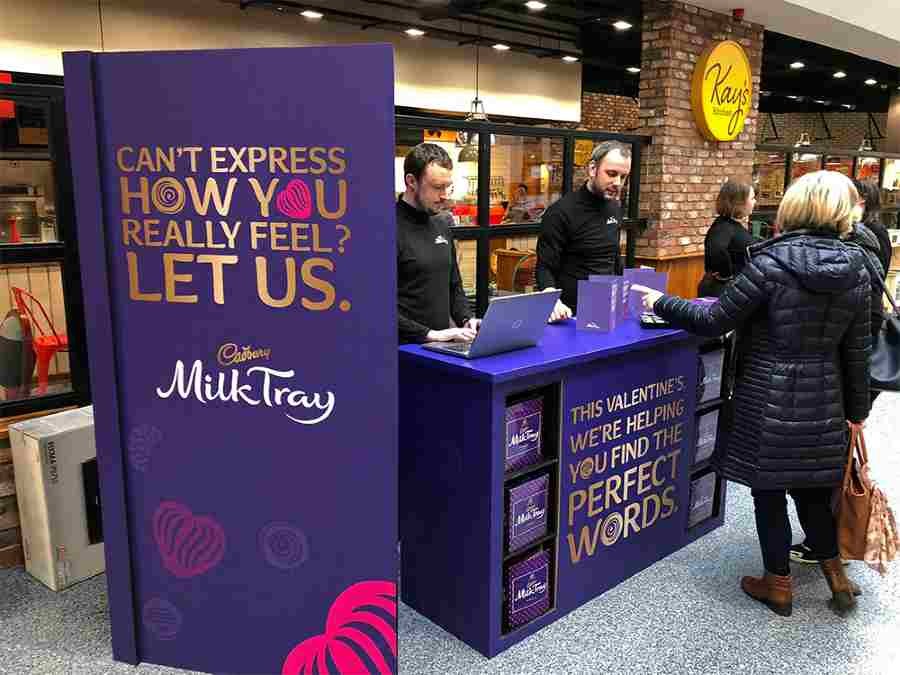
[529, 589]
[703, 492]
[644, 277]
[523, 433]
[598, 304]
[528, 512]
[707, 427]
[709, 375]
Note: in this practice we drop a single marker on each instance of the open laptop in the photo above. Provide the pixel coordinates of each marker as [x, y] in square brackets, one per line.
[511, 322]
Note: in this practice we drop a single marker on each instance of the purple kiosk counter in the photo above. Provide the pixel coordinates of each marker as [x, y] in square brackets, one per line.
[531, 482]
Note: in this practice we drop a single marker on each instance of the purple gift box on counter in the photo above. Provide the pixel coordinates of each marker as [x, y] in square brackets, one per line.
[527, 514]
[523, 433]
[643, 277]
[528, 588]
[707, 428]
[703, 494]
[598, 300]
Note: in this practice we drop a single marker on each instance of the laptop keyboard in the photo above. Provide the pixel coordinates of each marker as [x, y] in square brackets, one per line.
[461, 347]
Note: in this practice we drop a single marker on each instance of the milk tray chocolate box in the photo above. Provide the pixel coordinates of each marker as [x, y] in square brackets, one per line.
[528, 589]
[703, 498]
[527, 512]
[523, 433]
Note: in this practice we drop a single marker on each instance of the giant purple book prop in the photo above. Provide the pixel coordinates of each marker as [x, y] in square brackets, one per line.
[528, 589]
[523, 433]
[527, 515]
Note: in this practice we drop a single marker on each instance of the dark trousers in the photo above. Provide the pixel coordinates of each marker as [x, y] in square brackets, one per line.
[774, 528]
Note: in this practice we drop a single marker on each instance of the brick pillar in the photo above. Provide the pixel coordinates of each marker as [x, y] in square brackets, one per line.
[681, 171]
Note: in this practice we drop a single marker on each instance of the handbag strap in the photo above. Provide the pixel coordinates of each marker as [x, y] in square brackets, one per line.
[861, 450]
[877, 280]
[850, 450]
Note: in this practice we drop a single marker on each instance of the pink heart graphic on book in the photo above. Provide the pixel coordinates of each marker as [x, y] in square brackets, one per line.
[295, 200]
[189, 545]
[362, 620]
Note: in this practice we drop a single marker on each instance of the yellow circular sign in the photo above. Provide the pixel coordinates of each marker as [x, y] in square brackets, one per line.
[722, 91]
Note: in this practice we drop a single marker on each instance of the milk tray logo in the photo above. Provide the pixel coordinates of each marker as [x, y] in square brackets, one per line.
[254, 386]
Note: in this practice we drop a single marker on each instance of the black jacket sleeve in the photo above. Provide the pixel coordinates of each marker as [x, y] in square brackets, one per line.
[738, 301]
[855, 348]
[551, 243]
[409, 330]
[459, 304]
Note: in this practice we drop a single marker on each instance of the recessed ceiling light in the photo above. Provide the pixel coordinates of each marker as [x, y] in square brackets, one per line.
[414, 32]
[793, 98]
[871, 82]
[821, 102]
[633, 70]
[847, 106]
[311, 15]
[535, 6]
[840, 74]
[280, 9]
[500, 47]
[621, 25]
[570, 59]
[797, 65]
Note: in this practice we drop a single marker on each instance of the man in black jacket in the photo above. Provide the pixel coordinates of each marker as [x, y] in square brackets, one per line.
[429, 287]
[580, 232]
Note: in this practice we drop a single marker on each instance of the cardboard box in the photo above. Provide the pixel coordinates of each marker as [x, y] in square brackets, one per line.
[710, 368]
[707, 434]
[598, 300]
[59, 497]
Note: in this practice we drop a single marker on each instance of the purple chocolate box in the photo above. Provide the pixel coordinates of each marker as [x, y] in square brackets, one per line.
[527, 513]
[523, 433]
[598, 300]
[709, 376]
[703, 493]
[707, 427]
[528, 584]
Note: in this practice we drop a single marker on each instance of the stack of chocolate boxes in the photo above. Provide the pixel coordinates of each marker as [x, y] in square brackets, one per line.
[529, 489]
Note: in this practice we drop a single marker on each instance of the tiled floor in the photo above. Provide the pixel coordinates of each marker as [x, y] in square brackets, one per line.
[684, 615]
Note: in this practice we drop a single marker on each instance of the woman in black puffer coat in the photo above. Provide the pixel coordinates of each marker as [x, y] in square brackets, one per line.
[801, 307]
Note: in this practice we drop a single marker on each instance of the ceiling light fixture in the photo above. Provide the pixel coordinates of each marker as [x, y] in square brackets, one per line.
[848, 106]
[535, 6]
[871, 82]
[633, 70]
[840, 74]
[570, 59]
[821, 102]
[621, 25]
[797, 65]
[793, 98]
[500, 47]
[311, 15]
[414, 32]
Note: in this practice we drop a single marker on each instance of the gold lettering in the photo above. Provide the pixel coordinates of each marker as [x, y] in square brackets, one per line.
[120, 160]
[312, 281]
[134, 287]
[171, 278]
[264, 198]
[217, 262]
[130, 230]
[262, 283]
[342, 200]
[143, 194]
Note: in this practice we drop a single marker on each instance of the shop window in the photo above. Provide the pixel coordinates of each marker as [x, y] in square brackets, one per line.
[580, 168]
[890, 184]
[513, 260]
[768, 178]
[467, 260]
[34, 354]
[463, 195]
[803, 163]
[842, 165]
[868, 168]
[526, 178]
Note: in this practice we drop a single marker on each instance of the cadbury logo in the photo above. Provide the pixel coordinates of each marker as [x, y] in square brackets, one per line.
[230, 354]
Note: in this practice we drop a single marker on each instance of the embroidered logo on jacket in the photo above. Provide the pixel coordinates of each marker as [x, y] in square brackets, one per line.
[612, 221]
[440, 239]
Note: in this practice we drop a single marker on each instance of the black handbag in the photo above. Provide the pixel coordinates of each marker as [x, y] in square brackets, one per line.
[884, 362]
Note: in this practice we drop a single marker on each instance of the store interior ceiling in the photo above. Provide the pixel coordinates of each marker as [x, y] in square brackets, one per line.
[605, 37]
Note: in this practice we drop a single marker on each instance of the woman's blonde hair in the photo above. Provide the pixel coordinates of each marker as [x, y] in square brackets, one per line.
[822, 200]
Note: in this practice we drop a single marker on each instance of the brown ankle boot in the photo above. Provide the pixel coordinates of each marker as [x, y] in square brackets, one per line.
[771, 590]
[842, 590]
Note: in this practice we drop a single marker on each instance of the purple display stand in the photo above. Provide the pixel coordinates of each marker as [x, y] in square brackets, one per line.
[248, 471]
[453, 487]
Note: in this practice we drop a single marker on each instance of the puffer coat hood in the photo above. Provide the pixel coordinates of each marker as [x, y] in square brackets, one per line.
[819, 263]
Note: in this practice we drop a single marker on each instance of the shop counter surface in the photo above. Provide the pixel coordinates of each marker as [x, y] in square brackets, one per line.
[561, 346]
[615, 434]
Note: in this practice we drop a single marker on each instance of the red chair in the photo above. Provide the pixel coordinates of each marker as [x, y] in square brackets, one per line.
[48, 343]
